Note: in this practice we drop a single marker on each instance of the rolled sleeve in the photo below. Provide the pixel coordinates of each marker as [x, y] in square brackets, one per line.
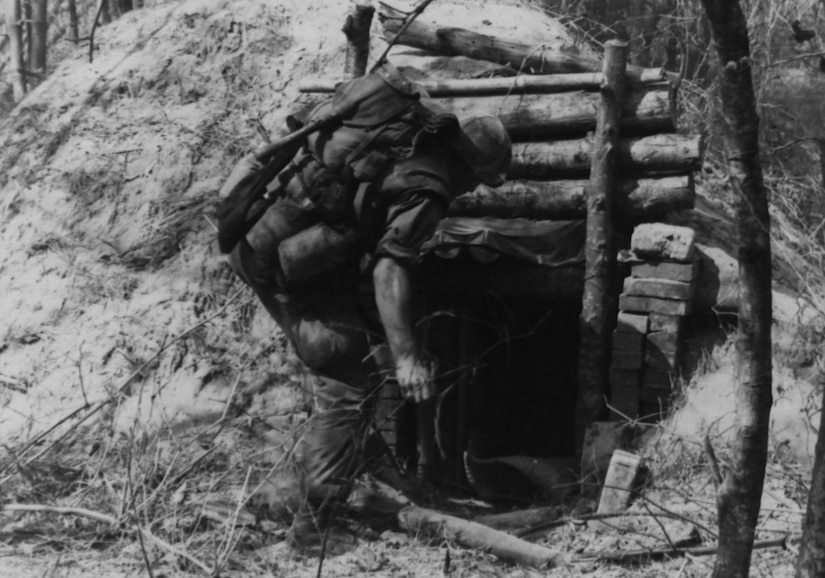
[410, 222]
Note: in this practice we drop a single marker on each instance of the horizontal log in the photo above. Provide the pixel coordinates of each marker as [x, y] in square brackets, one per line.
[647, 110]
[660, 153]
[419, 521]
[635, 200]
[452, 41]
[521, 84]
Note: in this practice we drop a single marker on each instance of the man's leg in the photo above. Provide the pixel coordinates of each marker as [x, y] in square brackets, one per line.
[330, 337]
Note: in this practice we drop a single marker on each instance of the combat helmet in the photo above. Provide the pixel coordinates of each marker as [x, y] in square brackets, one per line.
[491, 150]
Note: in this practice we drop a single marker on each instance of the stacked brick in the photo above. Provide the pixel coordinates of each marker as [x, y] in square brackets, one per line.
[648, 339]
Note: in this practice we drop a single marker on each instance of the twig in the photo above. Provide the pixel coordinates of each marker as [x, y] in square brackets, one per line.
[94, 27]
[169, 548]
[407, 21]
[651, 554]
[82, 512]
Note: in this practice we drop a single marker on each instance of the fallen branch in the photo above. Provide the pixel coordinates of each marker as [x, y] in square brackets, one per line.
[474, 535]
[82, 512]
[653, 554]
[106, 519]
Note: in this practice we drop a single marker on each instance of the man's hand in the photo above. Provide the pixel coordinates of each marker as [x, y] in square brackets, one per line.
[415, 378]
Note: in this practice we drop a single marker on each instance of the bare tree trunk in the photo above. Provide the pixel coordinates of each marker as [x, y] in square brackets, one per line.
[13, 13]
[73, 21]
[39, 39]
[811, 562]
[740, 492]
[357, 29]
[594, 355]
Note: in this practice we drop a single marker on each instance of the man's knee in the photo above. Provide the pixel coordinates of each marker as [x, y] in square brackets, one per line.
[325, 349]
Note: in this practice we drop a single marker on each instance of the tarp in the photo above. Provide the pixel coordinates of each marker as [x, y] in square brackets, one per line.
[548, 243]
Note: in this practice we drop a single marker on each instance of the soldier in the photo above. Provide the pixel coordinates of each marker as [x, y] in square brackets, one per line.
[332, 250]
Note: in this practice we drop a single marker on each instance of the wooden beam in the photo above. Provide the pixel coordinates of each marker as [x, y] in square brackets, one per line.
[635, 199]
[597, 302]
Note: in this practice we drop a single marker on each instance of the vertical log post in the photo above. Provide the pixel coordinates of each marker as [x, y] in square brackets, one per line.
[594, 322]
[13, 15]
[357, 29]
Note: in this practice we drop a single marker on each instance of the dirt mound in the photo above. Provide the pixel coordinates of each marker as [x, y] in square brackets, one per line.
[109, 172]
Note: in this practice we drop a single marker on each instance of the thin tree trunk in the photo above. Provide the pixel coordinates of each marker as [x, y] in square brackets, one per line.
[594, 355]
[13, 14]
[73, 21]
[40, 29]
[811, 562]
[741, 489]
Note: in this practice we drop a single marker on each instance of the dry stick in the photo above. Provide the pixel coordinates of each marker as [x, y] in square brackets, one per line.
[101, 404]
[407, 21]
[643, 555]
[106, 519]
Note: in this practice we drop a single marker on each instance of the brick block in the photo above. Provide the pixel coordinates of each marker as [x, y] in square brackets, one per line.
[631, 323]
[666, 323]
[619, 394]
[662, 360]
[632, 303]
[625, 377]
[663, 242]
[653, 395]
[662, 288]
[657, 379]
[685, 272]
[628, 341]
[664, 342]
[627, 360]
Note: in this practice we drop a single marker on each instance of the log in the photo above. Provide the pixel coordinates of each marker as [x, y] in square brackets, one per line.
[452, 41]
[660, 153]
[357, 30]
[648, 109]
[419, 521]
[521, 84]
[597, 300]
[635, 199]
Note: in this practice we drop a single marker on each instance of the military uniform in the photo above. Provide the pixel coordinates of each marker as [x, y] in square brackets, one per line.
[374, 186]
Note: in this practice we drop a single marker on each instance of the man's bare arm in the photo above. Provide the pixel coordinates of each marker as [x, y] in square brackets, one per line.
[394, 298]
